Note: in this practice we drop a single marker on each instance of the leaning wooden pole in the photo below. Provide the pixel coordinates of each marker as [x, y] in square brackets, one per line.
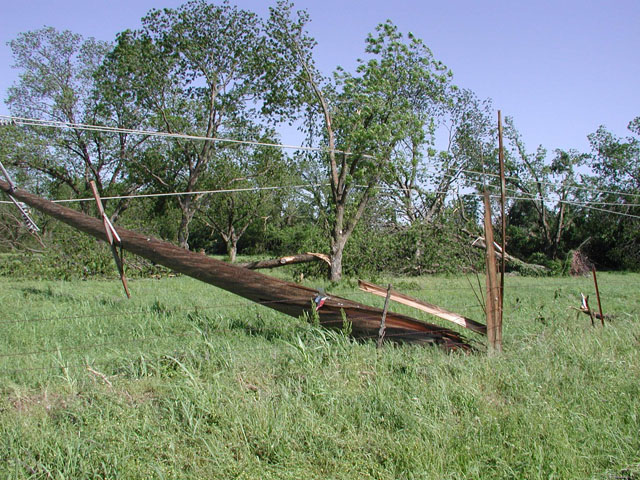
[286, 297]
[110, 232]
[595, 281]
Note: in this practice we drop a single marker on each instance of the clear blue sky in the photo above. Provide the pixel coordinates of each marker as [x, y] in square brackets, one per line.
[560, 68]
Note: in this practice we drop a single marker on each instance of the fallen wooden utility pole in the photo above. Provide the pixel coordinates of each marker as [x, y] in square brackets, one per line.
[285, 297]
[288, 260]
[424, 306]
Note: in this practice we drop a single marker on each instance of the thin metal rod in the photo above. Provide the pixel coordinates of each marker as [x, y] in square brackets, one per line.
[383, 320]
[595, 281]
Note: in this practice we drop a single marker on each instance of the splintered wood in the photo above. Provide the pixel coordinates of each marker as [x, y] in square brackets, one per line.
[424, 306]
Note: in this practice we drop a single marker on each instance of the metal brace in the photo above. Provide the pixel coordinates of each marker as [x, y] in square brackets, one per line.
[30, 224]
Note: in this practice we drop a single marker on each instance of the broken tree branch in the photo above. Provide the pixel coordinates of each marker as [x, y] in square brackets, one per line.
[480, 243]
[288, 260]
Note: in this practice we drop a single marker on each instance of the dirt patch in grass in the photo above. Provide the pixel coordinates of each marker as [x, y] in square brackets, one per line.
[41, 400]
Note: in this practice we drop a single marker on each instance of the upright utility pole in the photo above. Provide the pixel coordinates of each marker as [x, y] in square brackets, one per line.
[494, 319]
[495, 289]
[502, 212]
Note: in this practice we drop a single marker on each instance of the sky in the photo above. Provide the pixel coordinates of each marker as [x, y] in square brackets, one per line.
[560, 68]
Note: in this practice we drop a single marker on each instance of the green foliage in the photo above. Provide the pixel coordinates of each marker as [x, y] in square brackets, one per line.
[222, 71]
[411, 251]
[614, 240]
[57, 83]
[556, 267]
[69, 255]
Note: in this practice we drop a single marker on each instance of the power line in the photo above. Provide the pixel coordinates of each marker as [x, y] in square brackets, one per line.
[100, 128]
[553, 184]
[537, 196]
[106, 129]
[196, 192]
[198, 308]
[150, 133]
[586, 205]
[65, 365]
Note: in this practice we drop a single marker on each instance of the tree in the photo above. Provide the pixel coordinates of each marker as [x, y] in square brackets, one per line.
[192, 70]
[422, 177]
[360, 118]
[258, 174]
[615, 238]
[548, 197]
[617, 160]
[57, 83]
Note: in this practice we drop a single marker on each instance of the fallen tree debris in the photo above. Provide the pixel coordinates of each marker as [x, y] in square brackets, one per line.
[288, 260]
[580, 265]
[539, 269]
[424, 306]
[286, 297]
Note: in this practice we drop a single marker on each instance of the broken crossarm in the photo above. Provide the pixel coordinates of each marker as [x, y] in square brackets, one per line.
[424, 306]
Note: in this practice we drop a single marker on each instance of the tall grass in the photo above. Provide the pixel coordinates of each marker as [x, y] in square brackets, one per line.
[187, 381]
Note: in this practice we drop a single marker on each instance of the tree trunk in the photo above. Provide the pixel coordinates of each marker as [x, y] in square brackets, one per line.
[337, 248]
[232, 248]
[183, 230]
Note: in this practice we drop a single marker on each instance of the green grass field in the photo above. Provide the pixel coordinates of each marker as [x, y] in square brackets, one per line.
[187, 381]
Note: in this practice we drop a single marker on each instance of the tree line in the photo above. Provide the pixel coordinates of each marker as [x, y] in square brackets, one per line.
[395, 154]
